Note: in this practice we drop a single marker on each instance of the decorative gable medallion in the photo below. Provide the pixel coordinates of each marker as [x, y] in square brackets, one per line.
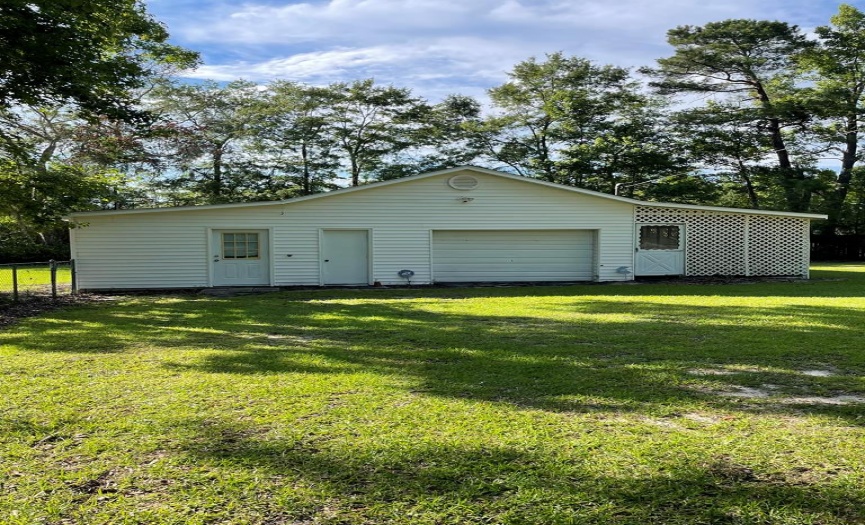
[463, 182]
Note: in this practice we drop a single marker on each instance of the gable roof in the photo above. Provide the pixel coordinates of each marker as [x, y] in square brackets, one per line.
[485, 171]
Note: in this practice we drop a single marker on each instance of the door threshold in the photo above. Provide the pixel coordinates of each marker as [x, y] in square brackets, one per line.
[227, 291]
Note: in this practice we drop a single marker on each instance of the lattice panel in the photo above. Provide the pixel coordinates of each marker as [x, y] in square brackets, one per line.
[778, 245]
[718, 243]
[714, 242]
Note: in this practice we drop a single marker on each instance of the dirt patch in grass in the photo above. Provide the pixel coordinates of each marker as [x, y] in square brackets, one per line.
[31, 306]
[105, 483]
[708, 419]
[824, 400]
[775, 394]
[818, 373]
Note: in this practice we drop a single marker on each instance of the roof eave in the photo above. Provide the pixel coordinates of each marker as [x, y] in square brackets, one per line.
[345, 191]
[745, 211]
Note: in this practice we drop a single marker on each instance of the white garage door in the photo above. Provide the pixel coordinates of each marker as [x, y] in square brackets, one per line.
[513, 255]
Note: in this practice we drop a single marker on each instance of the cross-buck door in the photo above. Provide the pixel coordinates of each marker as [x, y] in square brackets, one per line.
[240, 258]
[660, 249]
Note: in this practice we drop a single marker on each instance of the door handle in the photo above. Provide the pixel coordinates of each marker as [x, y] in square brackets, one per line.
[327, 260]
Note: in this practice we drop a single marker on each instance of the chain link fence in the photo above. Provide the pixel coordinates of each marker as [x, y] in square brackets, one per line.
[21, 281]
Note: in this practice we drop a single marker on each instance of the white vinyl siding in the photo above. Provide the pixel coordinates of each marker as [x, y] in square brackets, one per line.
[513, 255]
[170, 249]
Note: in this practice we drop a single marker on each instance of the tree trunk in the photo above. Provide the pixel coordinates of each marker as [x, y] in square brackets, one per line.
[46, 156]
[842, 187]
[355, 172]
[306, 183]
[796, 196]
[749, 186]
[216, 186]
[547, 166]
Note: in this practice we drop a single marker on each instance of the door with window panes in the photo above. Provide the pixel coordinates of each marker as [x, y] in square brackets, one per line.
[660, 250]
[240, 258]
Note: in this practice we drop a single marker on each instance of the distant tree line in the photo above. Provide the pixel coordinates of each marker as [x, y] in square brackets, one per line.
[744, 113]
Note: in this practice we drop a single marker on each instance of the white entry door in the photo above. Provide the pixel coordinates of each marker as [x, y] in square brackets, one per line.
[660, 249]
[345, 257]
[240, 258]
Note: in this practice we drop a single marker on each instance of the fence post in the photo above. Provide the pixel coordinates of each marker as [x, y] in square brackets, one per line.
[72, 275]
[53, 265]
[14, 283]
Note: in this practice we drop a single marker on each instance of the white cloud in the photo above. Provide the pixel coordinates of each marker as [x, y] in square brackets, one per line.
[337, 19]
[440, 46]
[377, 20]
[432, 68]
[322, 65]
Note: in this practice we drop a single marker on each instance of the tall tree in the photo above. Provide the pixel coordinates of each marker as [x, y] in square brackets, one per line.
[61, 60]
[546, 105]
[371, 123]
[837, 68]
[207, 128]
[443, 137]
[631, 148]
[292, 131]
[43, 180]
[91, 54]
[750, 61]
[724, 139]
[570, 121]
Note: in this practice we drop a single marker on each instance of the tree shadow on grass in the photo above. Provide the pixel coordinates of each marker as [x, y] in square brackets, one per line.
[605, 355]
[590, 355]
[510, 485]
[648, 358]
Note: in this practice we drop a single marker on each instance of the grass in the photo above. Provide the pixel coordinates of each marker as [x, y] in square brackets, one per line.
[596, 404]
[32, 277]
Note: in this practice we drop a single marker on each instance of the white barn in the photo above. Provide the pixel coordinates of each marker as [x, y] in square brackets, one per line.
[463, 224]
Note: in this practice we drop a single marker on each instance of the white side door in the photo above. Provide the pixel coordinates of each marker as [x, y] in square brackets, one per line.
[660, 249]
[240, 258]
[345, 257]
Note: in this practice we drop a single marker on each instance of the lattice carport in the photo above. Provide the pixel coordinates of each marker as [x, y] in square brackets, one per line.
[730, 243]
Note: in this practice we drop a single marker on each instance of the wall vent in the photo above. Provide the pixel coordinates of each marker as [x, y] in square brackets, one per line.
[463, 182]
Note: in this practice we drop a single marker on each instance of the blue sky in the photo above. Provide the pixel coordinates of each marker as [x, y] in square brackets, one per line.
[437, 47]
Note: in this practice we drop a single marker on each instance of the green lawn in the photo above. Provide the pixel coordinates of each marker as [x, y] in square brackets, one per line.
[32, 277]
[602, 404]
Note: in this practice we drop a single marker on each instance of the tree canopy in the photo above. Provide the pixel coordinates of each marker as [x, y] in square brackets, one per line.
[837, 68]
[741, 112]
[751, 62]
[92, 54]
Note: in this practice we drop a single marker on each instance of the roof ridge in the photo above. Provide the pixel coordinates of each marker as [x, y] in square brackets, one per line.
[435, 173]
